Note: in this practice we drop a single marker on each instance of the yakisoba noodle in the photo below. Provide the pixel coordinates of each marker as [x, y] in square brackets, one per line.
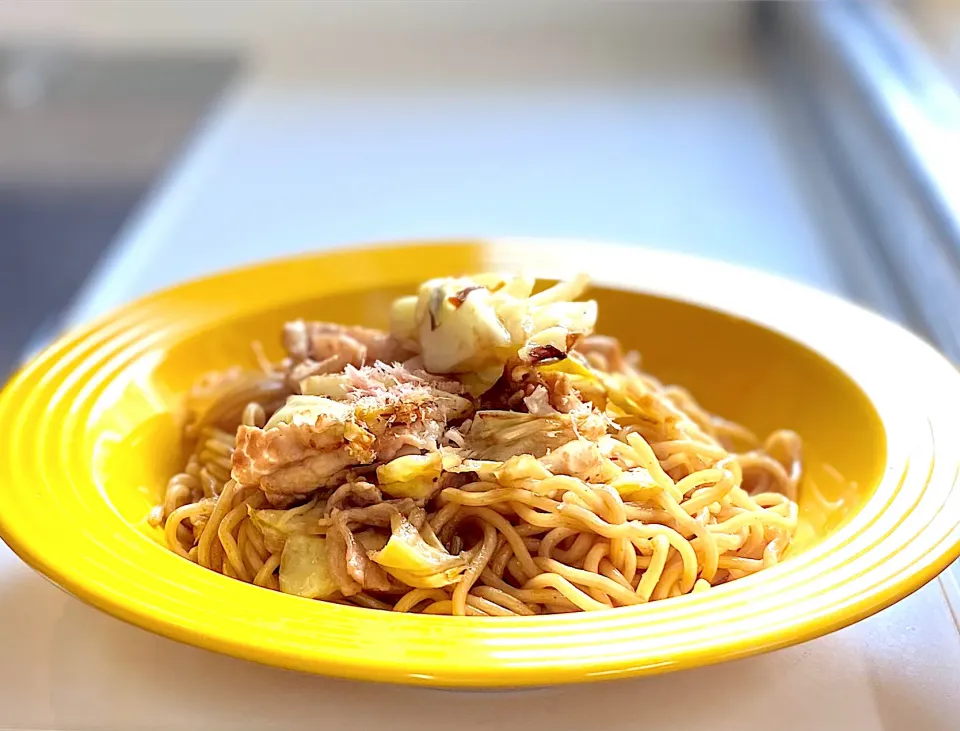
[488, 456]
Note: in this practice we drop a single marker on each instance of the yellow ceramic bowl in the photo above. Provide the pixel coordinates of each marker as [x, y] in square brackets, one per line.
[90, 437]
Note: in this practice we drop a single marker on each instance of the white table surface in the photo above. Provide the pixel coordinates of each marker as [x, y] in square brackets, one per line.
[285, 167]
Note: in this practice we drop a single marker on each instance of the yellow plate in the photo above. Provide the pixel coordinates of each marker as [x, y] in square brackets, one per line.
[90, 436]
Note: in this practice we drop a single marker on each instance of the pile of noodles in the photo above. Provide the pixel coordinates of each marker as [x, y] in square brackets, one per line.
[715, 504]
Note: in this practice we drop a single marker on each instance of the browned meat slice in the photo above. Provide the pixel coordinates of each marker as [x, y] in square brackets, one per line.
[363, 573]
[386, 411]
[338, 345]
[351, 568]
[303, 441]
[525, 388]
[379, 514]
[455, 480]
[561, 393]
[337, 556]
[361, 494]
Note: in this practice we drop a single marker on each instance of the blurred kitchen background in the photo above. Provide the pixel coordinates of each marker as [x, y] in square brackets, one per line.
[142, 142]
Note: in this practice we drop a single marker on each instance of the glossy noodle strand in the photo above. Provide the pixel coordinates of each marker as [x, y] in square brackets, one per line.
[394, 471]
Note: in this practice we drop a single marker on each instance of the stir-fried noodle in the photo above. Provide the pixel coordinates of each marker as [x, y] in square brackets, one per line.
[488, 456]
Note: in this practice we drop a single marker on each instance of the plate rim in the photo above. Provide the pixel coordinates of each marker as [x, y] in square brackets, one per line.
[467, 674]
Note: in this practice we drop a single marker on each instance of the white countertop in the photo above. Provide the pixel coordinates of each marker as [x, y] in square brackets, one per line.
[286, 166]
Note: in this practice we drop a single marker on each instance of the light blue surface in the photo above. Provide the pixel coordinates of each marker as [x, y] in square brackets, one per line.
[701, 167]
[698, 167]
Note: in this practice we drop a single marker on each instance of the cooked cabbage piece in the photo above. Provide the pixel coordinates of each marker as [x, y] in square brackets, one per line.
[519, 468]
[415, 476]
[474, 325]
[635, 484]
[330, 385]
[408, 557]
[277, 526]
[302, 410]
[305, 568]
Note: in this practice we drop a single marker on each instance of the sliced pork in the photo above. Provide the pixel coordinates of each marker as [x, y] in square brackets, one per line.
[384, 412]
[340, 345]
